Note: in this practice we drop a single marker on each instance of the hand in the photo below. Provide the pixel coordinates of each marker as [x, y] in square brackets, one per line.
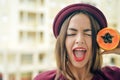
[116, 50]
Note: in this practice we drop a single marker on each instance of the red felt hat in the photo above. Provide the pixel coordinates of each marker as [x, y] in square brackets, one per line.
[67, 11]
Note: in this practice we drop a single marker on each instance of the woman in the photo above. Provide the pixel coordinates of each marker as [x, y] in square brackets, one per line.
[77, 52]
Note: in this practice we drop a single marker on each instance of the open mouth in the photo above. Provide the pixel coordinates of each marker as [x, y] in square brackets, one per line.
[79, 54]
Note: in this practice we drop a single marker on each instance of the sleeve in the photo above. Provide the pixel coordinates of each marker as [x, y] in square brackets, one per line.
[112, 72]
[48, 75]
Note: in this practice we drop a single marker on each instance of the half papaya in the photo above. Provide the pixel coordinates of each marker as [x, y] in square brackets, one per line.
[108, 38]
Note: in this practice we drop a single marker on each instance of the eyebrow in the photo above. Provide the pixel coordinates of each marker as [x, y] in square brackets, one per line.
[86, 30]
[73, 29]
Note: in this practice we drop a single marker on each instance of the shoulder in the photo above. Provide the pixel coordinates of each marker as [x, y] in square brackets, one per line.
[112, 72]
[107, 73]
[111, 68]
[47, 75]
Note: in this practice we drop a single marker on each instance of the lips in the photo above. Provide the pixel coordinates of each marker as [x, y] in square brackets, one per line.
[79, 53]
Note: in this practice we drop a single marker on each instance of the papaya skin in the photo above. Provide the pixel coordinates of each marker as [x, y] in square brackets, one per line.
[108, 38]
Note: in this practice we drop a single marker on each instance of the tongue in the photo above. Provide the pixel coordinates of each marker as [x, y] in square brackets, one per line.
[78, 53]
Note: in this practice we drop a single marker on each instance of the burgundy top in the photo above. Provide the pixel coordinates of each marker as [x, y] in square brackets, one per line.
[106, 73]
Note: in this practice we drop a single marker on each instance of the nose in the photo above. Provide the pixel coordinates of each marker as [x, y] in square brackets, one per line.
[79, 39]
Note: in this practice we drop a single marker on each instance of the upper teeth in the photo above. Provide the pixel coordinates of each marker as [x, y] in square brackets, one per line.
[80, 49]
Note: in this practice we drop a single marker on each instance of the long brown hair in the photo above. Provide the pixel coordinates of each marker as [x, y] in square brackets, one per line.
[61, 52]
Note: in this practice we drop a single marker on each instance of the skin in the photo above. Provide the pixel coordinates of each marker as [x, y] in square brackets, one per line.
[79, 36]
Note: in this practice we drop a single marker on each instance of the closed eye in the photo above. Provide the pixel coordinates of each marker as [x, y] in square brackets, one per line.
[71, 34]
[71, 31]
[88, 32]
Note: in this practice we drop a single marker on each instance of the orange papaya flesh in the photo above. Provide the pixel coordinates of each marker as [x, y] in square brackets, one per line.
[108, 38]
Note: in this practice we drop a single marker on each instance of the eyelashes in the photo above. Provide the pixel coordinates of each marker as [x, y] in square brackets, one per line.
[71, 34]
[86, 34]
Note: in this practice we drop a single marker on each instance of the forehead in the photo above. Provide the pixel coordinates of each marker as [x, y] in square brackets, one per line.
[80, 19]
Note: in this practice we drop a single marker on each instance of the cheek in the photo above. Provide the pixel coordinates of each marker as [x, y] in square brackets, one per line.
[89, 43]
[68, 44]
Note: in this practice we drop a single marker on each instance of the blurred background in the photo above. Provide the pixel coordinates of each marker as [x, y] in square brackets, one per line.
[26, 38]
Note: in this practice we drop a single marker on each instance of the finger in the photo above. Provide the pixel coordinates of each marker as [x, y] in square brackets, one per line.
[115, 51]
[105, 52]
[108, 51]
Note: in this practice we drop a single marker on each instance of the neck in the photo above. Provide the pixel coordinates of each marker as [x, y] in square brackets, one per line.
[81, 73]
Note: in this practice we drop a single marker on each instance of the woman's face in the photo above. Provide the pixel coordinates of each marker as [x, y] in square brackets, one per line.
[79, 40]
